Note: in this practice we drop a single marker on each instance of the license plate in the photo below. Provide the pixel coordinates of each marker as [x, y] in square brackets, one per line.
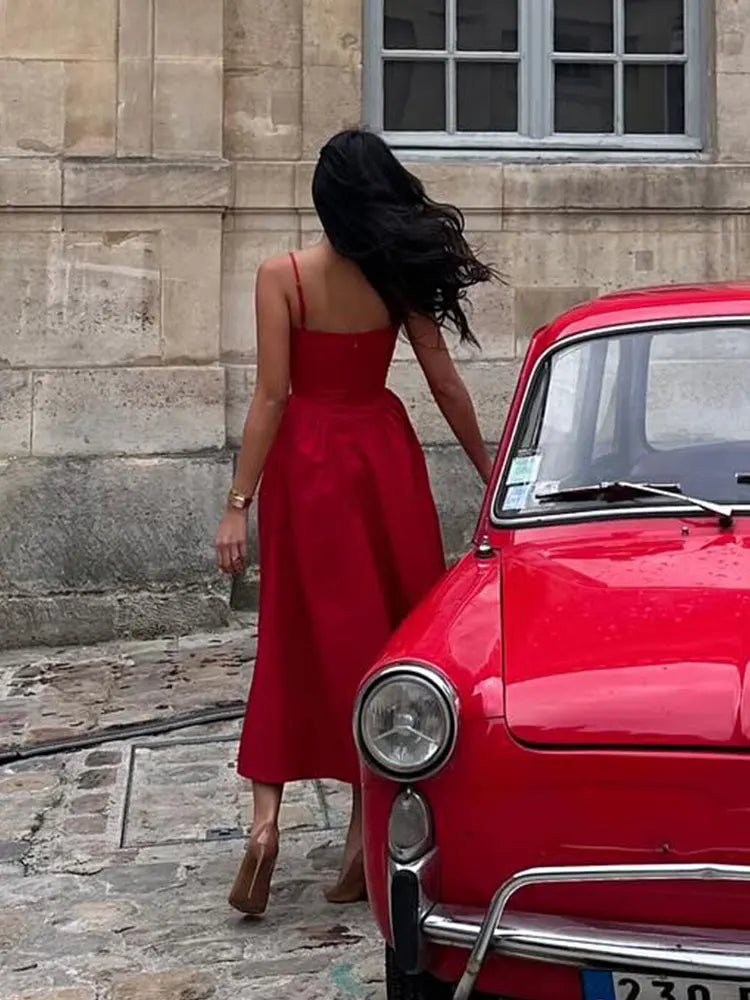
[629, 986]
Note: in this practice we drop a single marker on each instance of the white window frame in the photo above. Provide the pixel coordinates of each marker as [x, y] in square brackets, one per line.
[536, 59]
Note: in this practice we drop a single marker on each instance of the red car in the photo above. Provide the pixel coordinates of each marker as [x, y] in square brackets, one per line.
[556, 744]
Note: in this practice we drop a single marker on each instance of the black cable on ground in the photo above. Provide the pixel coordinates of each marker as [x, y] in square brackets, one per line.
[133, 731]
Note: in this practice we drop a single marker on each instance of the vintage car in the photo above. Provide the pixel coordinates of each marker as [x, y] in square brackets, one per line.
[556, 744]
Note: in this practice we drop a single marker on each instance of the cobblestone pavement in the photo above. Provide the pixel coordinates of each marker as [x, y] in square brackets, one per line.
[50, 695]
[115, 861]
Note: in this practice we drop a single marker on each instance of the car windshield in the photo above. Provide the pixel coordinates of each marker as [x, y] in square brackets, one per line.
[666, 407]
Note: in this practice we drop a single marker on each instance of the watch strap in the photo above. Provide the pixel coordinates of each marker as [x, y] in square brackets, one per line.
[239, 501]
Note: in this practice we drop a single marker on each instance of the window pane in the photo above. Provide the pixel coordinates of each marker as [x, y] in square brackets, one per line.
[414, 24]
[414, 96]
[488, 25]
[606, 424]
[697, 395]
[655, 99]
[695, 413]
[487, 97]
[584, 98]
[584, 26]
[654, 26]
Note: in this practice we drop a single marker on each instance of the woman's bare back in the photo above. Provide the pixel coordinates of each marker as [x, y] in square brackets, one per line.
[338, 297]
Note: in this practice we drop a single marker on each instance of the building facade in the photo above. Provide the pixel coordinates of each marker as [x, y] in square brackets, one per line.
[153, 152]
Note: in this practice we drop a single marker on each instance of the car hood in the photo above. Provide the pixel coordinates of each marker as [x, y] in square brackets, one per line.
[628, 634]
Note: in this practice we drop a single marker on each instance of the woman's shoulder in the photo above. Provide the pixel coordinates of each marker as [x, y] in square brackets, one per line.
[276, 274]
[275, 266]
[281, 261]
[280, 266]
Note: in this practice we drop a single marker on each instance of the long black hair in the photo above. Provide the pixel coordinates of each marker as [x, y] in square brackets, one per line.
[410, 248]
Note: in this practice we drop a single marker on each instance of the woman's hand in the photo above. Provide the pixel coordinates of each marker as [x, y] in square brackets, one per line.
[231, 542]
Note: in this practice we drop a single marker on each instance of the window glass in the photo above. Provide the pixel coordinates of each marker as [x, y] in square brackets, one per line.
[654, 26]
[414, 96]
[414, 24]
[487, 25]
[604, 441]
[487, 97]
[584, 97]
[670, 407]
[698, 389]
[655, 99]
[584, 26]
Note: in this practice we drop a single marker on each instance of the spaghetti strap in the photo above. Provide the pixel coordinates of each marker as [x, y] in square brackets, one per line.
[300, 293]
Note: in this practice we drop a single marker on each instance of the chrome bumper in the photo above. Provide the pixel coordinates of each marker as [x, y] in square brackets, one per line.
[697, 953]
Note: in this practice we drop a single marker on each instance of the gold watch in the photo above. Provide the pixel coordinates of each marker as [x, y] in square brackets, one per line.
[238, 500]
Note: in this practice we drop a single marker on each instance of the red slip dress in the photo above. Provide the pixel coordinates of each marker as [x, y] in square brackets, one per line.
[349, 543]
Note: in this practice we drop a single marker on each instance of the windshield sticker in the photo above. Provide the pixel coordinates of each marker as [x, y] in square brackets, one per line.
[524, 469]
[517, 497]
[543, 487]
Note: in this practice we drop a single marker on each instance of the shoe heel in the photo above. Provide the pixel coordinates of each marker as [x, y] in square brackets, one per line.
[252, 886]
[351, 886]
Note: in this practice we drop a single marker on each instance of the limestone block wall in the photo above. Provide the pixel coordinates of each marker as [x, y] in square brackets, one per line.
[152, 153]
[113, 187]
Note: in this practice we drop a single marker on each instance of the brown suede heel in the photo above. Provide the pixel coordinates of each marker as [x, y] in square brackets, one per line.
[252, 886]
[351, 886]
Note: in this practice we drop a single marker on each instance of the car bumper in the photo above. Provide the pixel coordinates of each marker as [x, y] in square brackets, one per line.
[697, 953]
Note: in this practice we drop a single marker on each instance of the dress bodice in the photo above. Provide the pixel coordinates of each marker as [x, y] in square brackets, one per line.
[341, 367]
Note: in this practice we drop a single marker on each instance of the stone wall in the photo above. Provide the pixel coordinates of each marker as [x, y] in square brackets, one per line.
[153, 152]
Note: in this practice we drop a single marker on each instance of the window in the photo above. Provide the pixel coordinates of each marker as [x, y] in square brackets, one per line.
[664, 407]
[697, 389]
[558, 74]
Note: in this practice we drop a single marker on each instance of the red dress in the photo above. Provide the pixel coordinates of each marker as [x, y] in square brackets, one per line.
[349, 543]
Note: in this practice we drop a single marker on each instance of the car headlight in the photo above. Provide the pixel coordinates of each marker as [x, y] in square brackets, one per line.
[406, 722]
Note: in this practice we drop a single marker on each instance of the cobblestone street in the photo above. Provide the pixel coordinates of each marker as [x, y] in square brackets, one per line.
[115, 860]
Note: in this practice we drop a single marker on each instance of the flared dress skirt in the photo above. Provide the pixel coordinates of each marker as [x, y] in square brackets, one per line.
[349, 543]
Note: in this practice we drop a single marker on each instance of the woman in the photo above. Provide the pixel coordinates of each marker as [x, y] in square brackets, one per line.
[349, 534]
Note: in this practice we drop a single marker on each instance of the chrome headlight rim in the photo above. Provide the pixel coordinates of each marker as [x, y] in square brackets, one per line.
[432, 677]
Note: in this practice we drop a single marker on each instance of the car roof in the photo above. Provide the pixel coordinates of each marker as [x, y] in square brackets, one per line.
[648, 305]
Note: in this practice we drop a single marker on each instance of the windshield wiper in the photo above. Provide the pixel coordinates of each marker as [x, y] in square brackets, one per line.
[627, 491]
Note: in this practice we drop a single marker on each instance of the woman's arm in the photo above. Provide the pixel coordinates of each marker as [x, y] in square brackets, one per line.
[272, 377]
[449, 391]
[265, 412]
